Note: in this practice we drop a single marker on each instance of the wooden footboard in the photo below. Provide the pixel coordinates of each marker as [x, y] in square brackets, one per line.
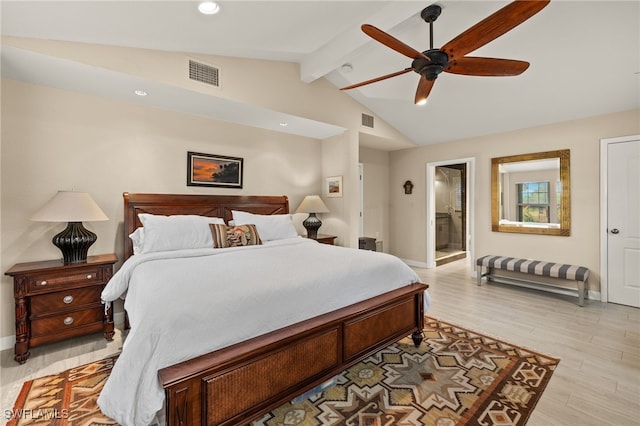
[238, 384]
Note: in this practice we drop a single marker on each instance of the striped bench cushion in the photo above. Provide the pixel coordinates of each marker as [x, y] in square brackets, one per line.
[535, 267]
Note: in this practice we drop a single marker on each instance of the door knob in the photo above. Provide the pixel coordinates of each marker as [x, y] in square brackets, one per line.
[615, 231]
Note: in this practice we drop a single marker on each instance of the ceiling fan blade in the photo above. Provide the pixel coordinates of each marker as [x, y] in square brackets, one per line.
[392, 42]
[374, 80]
[493, 27]
[424, 88]
[487, 66]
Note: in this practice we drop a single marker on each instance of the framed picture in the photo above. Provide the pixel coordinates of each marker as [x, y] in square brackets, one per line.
[214, 170]
[333, 187]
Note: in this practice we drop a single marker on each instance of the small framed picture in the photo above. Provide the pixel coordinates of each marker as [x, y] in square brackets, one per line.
[333, 187]
[214, 170]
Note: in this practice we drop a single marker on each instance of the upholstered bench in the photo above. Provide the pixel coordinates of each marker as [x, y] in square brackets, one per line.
[580, 274]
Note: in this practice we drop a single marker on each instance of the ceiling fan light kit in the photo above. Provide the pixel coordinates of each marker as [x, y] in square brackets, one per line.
[451, 57]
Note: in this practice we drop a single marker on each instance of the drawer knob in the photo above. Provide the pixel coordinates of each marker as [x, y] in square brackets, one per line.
[67, 299]
[68, 321]
[43, 282]
[89, 276]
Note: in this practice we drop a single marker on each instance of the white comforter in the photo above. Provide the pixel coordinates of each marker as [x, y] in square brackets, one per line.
[185, 303]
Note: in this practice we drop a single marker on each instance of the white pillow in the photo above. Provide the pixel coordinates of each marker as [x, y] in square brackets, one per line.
[176, 232]
[270, 227]
[137, 238]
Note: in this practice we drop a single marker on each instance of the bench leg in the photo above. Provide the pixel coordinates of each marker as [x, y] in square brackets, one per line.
[479, 274]
[581, 288]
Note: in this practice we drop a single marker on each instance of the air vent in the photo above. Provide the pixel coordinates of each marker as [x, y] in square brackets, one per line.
[367, 120]
[204, 73]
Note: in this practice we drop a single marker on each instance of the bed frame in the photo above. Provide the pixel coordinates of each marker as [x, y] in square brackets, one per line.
[237, 384]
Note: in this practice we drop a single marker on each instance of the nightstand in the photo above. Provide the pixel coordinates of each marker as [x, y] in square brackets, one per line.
[324, 239]
[55, 301]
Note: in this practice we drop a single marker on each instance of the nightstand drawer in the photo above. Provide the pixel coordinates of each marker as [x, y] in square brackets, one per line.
[55, 281]
[64, 300]
[65, 321]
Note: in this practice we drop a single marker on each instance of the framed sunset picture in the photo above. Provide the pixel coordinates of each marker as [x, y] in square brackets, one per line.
[214, 170]
[333, 186]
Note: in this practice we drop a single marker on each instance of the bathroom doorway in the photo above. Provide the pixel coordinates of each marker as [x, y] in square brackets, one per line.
[450, 213]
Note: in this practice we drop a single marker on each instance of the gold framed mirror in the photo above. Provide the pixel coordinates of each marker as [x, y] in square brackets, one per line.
[531, 193]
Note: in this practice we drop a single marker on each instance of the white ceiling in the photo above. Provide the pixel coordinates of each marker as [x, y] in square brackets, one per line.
[584, 55]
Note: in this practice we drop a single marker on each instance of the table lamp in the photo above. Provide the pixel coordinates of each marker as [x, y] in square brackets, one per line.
[74, 208]
[312, 204]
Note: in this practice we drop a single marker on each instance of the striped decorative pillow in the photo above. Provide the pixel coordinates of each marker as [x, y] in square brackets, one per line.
[234, 236]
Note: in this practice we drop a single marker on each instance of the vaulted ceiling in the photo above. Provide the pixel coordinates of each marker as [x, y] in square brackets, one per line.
[584, 55]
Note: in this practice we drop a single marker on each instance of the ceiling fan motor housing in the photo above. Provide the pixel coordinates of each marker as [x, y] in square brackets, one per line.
[439, 61]
[452, 56]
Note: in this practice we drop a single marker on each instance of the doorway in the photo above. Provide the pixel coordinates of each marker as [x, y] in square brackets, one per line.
[620, 220]
[449, 214]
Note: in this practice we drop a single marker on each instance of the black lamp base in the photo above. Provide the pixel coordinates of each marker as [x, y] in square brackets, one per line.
[74, 242]
[312, 224]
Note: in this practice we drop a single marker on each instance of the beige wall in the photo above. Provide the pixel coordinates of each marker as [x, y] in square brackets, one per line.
[59, 140]
[376, 194]
[340, 158]
[55, 140]
[582, 137]
[269, 84]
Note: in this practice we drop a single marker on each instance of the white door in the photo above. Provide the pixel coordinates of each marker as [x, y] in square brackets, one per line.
[623, 222]
[361, 219]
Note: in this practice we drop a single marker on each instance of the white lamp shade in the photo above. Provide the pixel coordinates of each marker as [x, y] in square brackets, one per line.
[312, 204]
[70, 206]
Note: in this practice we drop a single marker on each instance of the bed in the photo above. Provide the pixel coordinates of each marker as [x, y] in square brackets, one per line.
[249, 362]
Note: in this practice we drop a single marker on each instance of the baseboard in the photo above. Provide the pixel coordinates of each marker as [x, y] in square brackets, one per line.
[415, 263]
[8, 342]
[118, 318]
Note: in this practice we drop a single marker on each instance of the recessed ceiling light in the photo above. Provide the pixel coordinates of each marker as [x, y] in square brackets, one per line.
[346, 68]
[209, 7]
[284, 124]
[140, 92]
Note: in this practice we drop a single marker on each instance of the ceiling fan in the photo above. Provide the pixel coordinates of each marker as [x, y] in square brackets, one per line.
[452, 57]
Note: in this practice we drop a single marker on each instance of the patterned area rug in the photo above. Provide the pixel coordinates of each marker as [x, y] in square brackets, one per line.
[456, 377]
[68, 398]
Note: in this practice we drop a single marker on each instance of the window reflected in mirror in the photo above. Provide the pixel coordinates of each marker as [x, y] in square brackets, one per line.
[530, 193]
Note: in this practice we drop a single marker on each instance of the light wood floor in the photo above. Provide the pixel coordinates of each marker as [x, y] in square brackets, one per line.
[51, 359]
[596, 383]
[598, 379]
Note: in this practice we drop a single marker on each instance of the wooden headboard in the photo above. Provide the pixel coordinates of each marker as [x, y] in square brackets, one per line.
[202, 205]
